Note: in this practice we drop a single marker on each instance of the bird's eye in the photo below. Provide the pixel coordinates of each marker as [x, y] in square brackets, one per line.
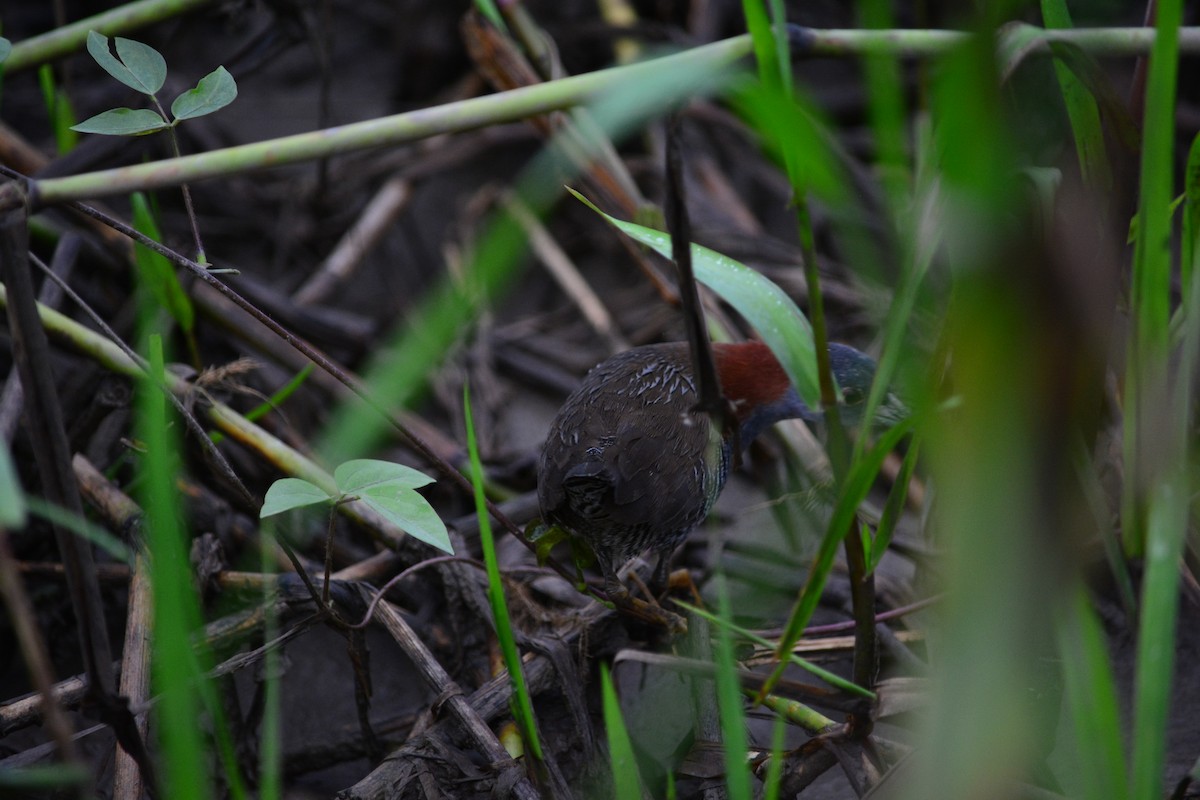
[852, 396]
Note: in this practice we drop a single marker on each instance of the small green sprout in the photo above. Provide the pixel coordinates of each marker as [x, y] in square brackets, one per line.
[142, 68]
[386, 488]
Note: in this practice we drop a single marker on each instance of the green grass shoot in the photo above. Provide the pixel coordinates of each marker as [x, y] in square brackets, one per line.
[627, 785]
[522, 701]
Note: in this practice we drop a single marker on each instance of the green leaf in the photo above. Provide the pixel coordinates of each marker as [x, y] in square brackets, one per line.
[764, 305]
[140, 66]
[405, 508]
[388, 489]
[215, 90]
[145, 64]
[155, 271]
[12, 499]
[5, 49]
[544, 537]
[288, 493]
[123, 122]
[359, 475]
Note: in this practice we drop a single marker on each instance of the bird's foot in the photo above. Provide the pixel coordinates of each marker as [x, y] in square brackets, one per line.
[648, 613]
[681, 581]
[651, 614]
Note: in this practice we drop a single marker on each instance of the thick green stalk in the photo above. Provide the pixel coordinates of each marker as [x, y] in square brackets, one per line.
[70, 38]
[538, 99]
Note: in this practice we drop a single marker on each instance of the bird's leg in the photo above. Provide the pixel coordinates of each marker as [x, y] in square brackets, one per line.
[613, 587]
[658, 579]
[629, 605]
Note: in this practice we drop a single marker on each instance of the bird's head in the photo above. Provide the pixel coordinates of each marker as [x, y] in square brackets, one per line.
[761, 393]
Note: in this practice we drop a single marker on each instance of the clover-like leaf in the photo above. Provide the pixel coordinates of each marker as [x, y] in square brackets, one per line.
[773, 314]
[215, 90]
[139, 66]
[288, 493]
[362, 474]
[123, 122]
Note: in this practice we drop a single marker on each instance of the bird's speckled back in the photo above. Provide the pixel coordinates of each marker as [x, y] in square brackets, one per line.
[627, 464]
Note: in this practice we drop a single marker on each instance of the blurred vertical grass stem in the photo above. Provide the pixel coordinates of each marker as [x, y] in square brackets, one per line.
[1156, 494]
[188, 701]
[982, 729]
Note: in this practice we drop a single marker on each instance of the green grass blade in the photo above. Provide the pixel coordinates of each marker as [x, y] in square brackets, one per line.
[176, 611]
[491, 12]
[46, 781]
[60, 111]
[178, 670]
[522, 703]
[1082, 109]
[626, 783]
[156, 272]
[894, 508]
[80, 526]
[770, 43]
[1190, 246]
[1165, 530]
[272, 403]
[729, 702]
[853, 491]
[885, 92]
[771, 784]
[270, 751]
[1151, 282]
[1091, 699]
[12, 499]
[831, 678]
[792, 132]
